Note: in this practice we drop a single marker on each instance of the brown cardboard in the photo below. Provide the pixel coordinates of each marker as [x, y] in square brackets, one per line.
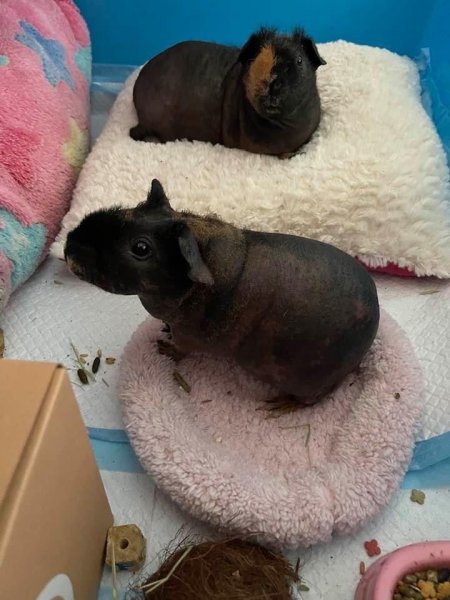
[54, 514]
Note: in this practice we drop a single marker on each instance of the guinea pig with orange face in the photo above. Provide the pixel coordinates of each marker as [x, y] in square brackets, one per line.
[262, 98]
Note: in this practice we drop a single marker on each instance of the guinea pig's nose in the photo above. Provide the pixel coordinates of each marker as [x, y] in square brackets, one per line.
[70, 248]
[276, 86]
[81, 253]
[67, 251]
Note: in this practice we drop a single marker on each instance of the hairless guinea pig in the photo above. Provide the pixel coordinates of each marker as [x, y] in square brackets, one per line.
[262, 98]
[294, 312]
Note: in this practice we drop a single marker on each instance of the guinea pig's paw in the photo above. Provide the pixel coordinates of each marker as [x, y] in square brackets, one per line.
[286, 155]
[282, 405]
[166, 328]
[167, 349]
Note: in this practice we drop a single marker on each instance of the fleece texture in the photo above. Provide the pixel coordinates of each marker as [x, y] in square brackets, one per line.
[373, 180]
[45, 66]
[294, 480]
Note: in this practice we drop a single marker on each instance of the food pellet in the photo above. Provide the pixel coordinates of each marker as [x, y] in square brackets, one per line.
[82, 376]
[110, 360]
[427, 589]
[418, 497]
[362, 568]
[443, 575]
[406, 591]
[372, 548]
[96, 364]
[443, 590]
[432, 584]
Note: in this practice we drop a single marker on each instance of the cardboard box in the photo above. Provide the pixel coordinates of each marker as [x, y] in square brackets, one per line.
[54, 514]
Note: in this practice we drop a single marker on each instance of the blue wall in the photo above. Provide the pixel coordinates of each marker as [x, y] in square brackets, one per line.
[436, 79]
[131, 32]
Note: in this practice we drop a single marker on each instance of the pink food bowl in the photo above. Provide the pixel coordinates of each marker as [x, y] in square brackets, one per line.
[379, 581]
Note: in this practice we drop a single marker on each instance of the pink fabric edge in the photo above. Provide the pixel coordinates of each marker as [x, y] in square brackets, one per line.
[390, 269]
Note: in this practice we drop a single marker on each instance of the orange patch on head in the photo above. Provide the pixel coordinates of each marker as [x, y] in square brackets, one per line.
[260, 73]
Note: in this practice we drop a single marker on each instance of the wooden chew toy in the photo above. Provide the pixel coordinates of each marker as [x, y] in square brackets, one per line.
[125, 547]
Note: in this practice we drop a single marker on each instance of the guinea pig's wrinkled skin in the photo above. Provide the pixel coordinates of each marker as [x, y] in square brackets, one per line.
[294, 312]
[262, 98]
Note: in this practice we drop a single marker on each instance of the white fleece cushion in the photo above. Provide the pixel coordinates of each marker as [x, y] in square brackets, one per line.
[373, 180]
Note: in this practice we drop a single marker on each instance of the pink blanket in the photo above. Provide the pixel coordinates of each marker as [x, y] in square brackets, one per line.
[45, 65]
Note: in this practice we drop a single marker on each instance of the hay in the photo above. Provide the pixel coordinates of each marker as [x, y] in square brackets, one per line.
[225, 570]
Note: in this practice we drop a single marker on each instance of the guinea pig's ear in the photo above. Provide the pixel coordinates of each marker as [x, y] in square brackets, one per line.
[198, 271]
[311, 52]
[254, 44]
[156, 198]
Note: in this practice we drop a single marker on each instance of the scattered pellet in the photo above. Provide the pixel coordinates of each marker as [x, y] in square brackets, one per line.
[96, 364]
[432, 575]
[82, 376]
[110, 360]
[372, 548]
[417, 496]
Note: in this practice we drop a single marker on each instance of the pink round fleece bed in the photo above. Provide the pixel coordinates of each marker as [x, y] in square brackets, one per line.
[293, 479]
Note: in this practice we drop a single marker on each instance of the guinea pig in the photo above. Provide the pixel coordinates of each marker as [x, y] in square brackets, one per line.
[262, 98]
[294, 312]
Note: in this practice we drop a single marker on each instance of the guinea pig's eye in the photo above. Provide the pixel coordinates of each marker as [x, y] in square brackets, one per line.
[141, 249]
[299, 60]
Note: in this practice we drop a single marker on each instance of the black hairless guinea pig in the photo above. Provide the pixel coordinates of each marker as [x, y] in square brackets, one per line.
[294, 312]
[262, 98]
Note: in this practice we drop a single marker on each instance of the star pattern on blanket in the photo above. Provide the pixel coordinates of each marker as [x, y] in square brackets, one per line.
[21, 244]
[76, 147]
[82, 59]
[51, 52]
